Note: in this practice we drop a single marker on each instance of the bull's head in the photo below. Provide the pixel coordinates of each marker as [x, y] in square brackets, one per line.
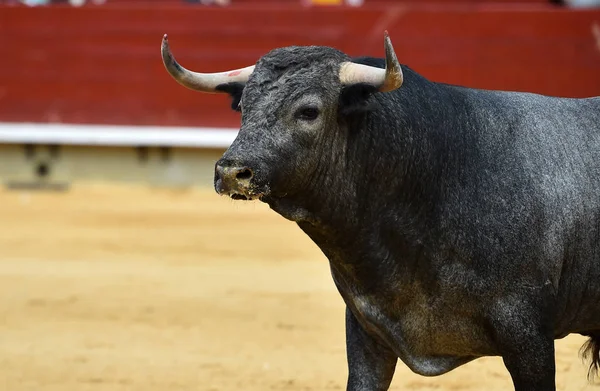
[294, 102]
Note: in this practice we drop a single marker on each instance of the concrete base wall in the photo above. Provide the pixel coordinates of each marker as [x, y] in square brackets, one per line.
[59, 166]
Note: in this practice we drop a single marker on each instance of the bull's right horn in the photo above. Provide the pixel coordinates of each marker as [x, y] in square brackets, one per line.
[384, 80]
[205, 82]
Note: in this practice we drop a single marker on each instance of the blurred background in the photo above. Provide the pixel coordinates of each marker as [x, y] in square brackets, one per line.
[121, 269]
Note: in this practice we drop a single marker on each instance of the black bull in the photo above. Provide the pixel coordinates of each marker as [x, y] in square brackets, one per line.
[458, 223]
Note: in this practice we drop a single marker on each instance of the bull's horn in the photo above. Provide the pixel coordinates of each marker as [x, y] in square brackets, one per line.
[205, 82]
[387, 79]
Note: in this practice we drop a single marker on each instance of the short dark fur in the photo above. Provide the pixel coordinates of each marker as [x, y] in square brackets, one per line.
[458, 223]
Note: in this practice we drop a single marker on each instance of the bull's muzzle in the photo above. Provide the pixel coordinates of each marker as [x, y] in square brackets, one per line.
[235, 181]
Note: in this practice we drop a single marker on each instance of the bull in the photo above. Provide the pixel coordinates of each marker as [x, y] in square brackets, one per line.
[458, 223]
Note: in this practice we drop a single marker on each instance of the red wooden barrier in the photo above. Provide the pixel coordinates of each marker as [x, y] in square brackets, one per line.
[102, 64]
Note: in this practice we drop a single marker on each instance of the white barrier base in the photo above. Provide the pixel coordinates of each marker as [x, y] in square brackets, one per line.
[115, 135]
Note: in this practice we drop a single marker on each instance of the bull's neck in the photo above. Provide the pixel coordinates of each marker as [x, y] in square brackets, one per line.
[390, 180]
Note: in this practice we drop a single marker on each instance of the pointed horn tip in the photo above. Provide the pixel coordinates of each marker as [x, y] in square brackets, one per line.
[386, 38]
[165, 42]
[164, 47]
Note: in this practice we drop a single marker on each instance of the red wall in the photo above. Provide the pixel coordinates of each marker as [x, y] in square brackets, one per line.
[102, 64]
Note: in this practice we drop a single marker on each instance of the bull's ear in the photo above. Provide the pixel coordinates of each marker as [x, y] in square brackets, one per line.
[355, 99]
[235, 91]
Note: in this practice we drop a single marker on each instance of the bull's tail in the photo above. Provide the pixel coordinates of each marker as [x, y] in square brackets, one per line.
[591, 351]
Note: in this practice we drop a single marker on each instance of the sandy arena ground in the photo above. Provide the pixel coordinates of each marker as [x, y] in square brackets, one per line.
[125, 288]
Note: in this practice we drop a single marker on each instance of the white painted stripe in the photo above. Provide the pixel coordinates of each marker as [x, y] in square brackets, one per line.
[115, 135]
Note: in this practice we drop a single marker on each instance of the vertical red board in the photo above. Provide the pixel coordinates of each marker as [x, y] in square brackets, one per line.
[102, 64]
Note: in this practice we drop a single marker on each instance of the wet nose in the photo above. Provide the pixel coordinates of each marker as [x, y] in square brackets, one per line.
[232, 178]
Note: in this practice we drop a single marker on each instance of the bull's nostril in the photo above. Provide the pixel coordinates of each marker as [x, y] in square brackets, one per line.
[245, 173]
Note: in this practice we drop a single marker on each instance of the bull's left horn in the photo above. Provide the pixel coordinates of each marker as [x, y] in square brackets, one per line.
[387, 79]
[205, 82]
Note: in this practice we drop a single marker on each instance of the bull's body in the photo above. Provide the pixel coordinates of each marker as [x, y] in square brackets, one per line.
[498, 225]
[458, 223]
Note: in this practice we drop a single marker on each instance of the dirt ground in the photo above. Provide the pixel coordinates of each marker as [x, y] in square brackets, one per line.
[128, 288]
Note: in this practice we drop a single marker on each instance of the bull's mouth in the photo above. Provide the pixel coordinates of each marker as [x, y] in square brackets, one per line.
[240, 188]
[239, 197]
[246, 195]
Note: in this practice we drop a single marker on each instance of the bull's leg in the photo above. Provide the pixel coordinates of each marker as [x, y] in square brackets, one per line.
[533, 370]
[370, 365]
[526, 344]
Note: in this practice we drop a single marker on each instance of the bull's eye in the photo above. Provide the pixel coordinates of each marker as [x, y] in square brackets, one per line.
[307, 113]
